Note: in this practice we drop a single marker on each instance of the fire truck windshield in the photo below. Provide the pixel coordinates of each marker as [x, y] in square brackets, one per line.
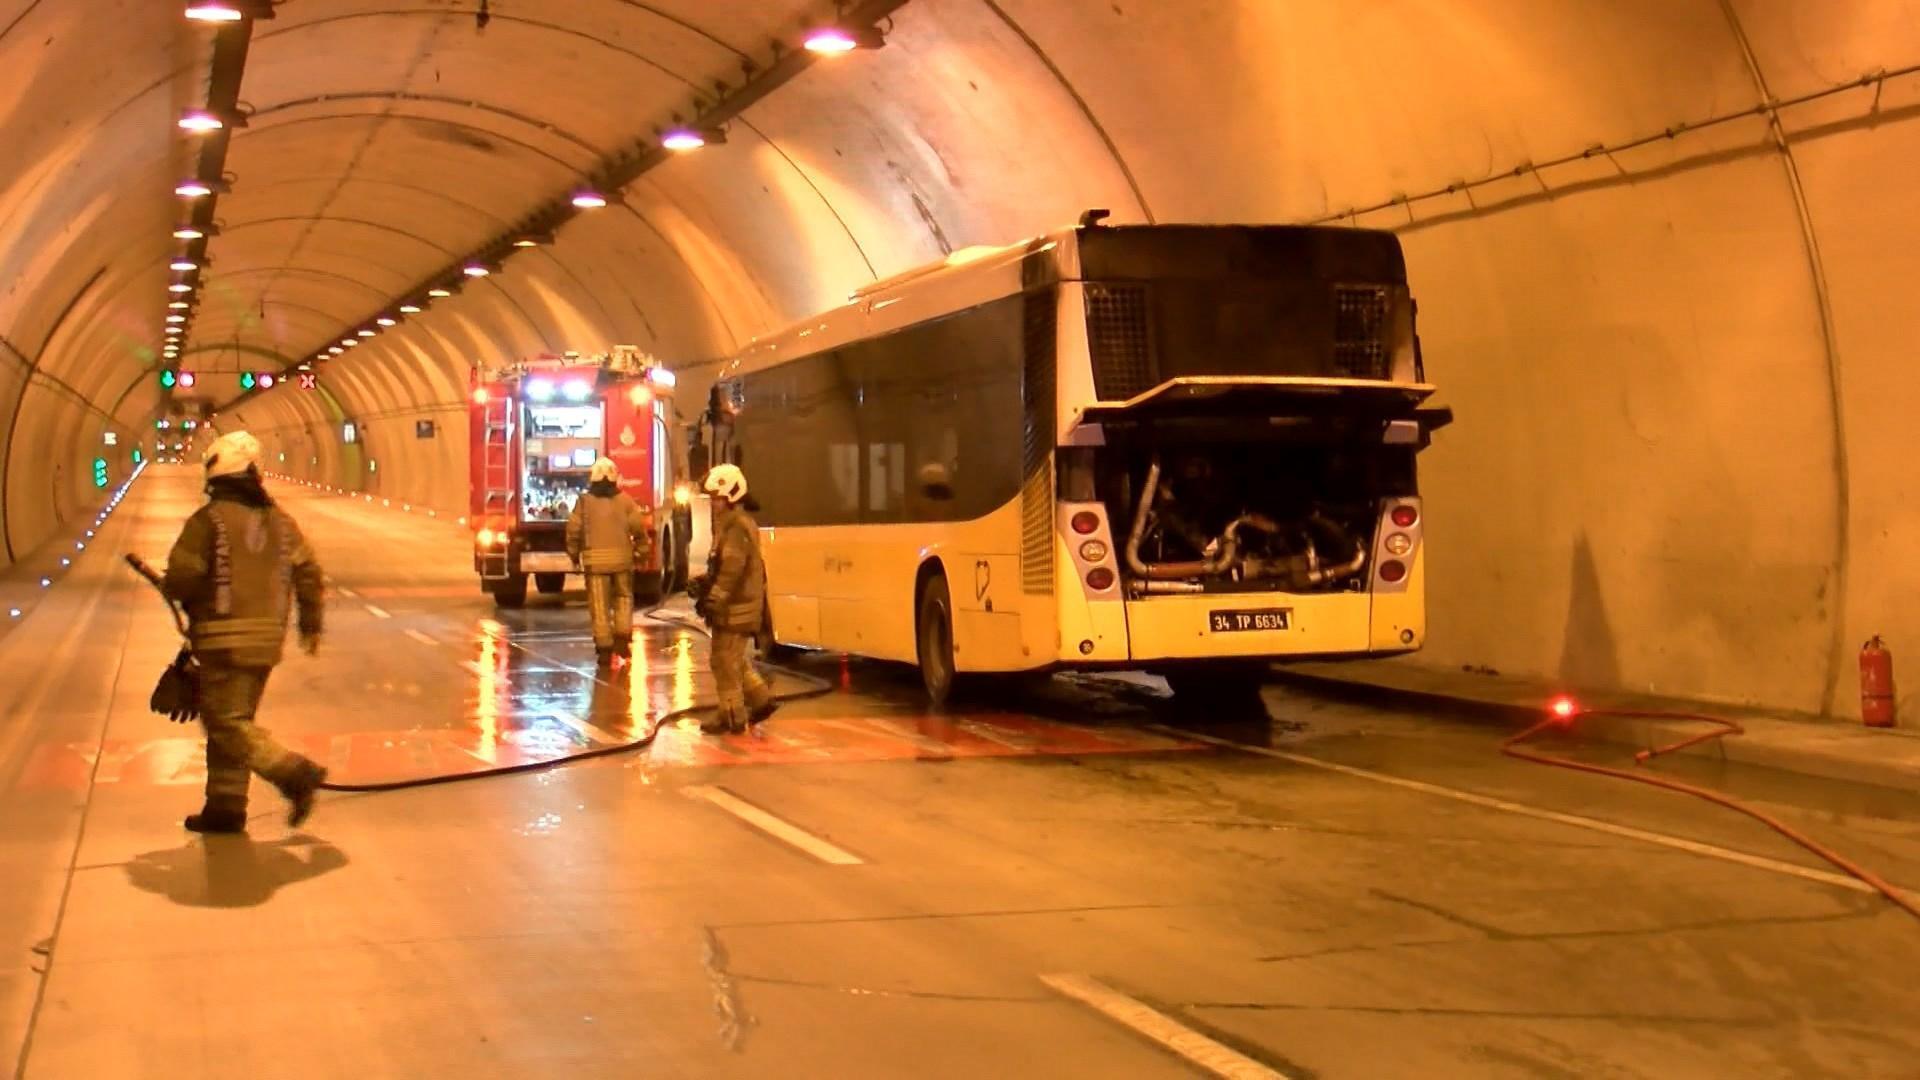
[562, 443]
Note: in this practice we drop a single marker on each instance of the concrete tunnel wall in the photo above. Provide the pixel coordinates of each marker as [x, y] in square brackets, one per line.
[1681, 368]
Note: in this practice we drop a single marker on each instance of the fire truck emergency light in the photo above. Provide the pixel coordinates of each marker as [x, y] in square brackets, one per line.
[662, 378]
[539, 390]
[577, 390]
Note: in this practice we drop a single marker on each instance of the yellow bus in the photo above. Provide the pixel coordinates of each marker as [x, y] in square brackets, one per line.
[1187, 450]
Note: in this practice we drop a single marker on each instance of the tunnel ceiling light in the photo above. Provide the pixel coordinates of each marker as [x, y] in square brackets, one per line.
[351, 343]
[193, 189]
[587, 199]
[476, 270]
[193, 232]
[687, 138]
[838, 40]
[183, 265]
[180, 287]
[385, 320]
[368, 333]
[530, 241]
[409, 309]
[200, 121]
[179, 305]
[440, 294]
[176, 318]
[335, 351]
[214, 12]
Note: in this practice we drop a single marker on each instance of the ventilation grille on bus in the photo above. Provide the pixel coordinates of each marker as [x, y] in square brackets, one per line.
[1117, 338]
[1360, 331]
[1036, 494]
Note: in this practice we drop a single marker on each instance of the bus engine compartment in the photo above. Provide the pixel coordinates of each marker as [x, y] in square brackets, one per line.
[1239, 517]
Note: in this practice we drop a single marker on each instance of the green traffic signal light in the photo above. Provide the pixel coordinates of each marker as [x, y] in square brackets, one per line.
[246, 380]
[167, 380]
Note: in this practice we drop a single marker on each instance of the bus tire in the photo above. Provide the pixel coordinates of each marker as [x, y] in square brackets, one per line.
[934, 623]
[1229, 691]
[646, 588]
[510, 591]
[550, 584]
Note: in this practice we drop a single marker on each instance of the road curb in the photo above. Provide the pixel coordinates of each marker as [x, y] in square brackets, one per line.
[1807, 749]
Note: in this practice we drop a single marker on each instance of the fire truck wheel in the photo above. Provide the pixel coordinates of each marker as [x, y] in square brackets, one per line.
[550, 584]
[511, 592]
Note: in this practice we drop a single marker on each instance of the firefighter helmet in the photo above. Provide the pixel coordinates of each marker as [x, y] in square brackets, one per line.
[232, 454]
[604, 470]
[728, 482]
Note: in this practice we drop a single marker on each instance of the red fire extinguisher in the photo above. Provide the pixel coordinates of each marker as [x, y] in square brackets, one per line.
[1876, 684]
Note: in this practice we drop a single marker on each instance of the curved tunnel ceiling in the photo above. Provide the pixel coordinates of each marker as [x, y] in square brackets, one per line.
[1662, 249]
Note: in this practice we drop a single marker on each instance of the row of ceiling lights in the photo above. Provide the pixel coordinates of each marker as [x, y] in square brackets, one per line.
[194, 231]
[825, 40]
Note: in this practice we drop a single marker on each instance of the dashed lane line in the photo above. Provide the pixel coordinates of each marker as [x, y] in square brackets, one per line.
[379, 612]
[422, 638]
[1215, 1058]
[1488, 802]
[775, 827]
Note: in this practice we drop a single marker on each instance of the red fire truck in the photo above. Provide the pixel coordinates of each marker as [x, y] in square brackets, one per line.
[537, 425]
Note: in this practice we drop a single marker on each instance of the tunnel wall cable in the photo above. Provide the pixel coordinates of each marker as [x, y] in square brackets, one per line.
[1564, 716]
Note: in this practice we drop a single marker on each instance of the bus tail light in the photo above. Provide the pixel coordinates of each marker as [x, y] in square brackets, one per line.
[1086, 522]
[1099, 579]
[1399, 544]
[1405, 515]
[1094, 551]
[1392, 571]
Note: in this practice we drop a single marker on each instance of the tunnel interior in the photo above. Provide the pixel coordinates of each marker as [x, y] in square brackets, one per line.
[1662, 253]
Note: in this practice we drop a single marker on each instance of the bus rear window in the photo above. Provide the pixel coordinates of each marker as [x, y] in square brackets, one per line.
[1142, 333]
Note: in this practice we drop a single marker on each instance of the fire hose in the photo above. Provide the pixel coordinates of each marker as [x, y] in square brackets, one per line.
[811, 687]
[1564, 712]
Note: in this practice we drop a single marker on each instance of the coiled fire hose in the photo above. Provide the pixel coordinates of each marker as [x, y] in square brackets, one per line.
[1564, 712]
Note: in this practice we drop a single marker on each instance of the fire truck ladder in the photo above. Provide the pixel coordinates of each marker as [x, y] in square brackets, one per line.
[497, 482]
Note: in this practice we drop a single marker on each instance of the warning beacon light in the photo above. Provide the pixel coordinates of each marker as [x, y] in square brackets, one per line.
[1563, 707]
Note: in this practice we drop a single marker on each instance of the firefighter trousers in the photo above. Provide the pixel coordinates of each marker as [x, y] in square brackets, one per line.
[610, 601]
[236, 746]
[742, 691]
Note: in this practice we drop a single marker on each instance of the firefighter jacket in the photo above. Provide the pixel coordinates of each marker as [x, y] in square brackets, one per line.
[238, 568]
[604, 529]
[739, 589]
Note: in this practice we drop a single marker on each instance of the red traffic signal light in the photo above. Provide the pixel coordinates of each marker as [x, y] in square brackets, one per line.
[187, 379]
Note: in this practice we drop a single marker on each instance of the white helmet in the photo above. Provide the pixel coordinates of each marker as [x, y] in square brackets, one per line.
[604, 469]
[232, 454]
[728, 482]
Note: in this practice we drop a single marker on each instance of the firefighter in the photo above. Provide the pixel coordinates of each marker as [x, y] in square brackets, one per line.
[733, 599]
[602, 532]
[239, 566]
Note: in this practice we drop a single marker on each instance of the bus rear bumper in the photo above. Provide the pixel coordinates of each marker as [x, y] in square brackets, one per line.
[1260, 626]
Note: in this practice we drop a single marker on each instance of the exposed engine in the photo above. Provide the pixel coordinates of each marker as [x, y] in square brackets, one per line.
[1247, 519]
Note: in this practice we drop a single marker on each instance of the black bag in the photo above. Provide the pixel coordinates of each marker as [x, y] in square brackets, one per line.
[177, 696]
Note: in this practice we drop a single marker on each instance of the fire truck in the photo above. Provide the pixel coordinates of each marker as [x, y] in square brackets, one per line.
[536, 427]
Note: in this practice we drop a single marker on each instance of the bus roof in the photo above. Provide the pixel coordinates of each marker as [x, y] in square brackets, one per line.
[976, 275]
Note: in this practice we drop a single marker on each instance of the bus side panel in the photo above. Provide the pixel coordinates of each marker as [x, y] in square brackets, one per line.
[1179, 627]
[1395, 614]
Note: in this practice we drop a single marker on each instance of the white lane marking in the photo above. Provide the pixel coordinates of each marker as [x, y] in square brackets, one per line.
[344, 591]
[591, 732]
[1692, 847]
[1159, 1027]
[421, 638]
[379, 612]
[773, 826]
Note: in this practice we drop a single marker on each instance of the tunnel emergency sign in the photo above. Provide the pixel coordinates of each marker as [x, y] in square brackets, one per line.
[113, 439]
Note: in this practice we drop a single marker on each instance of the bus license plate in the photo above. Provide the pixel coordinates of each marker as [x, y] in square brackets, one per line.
[1226, 622]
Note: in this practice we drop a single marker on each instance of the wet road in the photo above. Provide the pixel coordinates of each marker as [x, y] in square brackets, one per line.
[868, 890]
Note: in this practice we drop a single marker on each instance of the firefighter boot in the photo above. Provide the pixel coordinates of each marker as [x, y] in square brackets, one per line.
[299, 790]
[218, 818]
[603, 658]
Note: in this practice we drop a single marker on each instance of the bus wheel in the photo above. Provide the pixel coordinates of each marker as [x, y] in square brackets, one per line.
[550, 584]
[511, 592]
[1229, 691]
[936, 640]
